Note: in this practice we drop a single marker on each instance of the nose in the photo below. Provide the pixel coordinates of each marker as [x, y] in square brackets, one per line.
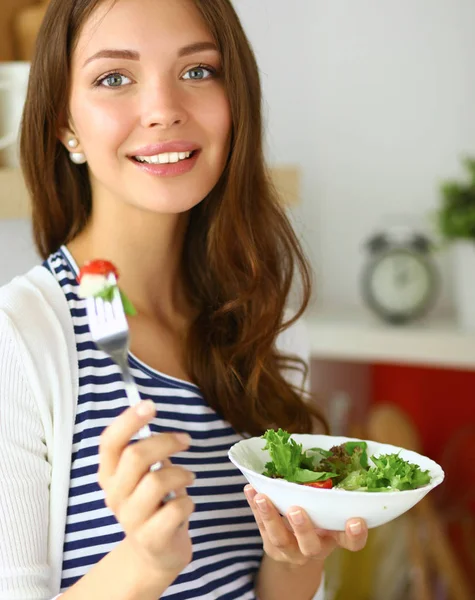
[162, 106]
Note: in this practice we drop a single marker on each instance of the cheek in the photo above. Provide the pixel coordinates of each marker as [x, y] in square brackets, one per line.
[225, 120]
[215, 116]
[100, 123]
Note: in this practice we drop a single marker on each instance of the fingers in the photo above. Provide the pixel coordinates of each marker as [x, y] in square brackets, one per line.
[304, 541]
[148, 495]
[308, 540]
[134, 460]
[251, 493]
[354, 537]
[117, 436]
[279, 542]
[166, 521]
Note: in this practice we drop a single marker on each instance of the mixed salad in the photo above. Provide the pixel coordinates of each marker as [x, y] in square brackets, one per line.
[98, 279]
[345, 467]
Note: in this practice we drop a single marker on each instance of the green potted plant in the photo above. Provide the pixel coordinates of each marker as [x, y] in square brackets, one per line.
[456, 226]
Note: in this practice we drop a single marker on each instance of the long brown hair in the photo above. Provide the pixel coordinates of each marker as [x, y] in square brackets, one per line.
[240, 254]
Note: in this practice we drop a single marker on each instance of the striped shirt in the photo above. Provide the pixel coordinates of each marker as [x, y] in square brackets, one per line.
[227, 547]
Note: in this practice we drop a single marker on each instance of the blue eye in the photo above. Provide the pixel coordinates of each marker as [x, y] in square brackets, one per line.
[114, 80]
[199, 73]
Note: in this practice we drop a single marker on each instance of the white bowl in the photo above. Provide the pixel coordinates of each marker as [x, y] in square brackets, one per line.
[331, 509]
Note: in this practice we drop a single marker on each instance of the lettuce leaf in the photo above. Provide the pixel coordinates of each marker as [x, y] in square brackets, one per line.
[288, 460]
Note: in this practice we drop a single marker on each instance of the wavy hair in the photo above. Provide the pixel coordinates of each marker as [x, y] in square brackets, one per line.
[240, 255]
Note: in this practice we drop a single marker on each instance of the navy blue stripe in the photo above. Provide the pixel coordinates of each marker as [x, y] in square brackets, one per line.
[87, 488]
[224, 534]
[245, 589]
[225, 505]
[91, 361]
[202, 460]
[102, 379]
[216, 474]
[213, 490]
[83, 561]
[201, 524]
[77, 472]
[208, 588]
[85, 507]
[249, 547]
[91, 524]
[105, 413]
[91, 542]
[211, 448]
[211, 567]
[179, 383]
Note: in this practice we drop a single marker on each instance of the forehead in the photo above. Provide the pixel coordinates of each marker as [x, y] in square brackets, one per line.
[161, 25]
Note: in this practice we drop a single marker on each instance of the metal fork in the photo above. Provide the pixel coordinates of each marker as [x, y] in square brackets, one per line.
[110, 332]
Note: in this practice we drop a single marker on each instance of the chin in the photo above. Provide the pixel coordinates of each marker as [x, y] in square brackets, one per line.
[172, 197]
[167, 206]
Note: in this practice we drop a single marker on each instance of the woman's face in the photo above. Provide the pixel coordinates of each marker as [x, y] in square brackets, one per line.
[148, 104]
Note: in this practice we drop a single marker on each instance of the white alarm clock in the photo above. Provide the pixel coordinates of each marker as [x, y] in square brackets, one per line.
[400, 280]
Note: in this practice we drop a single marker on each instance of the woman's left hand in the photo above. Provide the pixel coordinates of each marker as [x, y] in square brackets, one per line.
[302, 542]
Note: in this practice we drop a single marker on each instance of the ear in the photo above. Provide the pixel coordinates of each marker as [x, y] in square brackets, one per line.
[65, 135]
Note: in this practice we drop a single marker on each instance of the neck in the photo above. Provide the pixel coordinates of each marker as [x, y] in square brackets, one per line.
[146, 248]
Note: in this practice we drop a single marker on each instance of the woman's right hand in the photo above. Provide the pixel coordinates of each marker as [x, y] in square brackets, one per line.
[134, 493]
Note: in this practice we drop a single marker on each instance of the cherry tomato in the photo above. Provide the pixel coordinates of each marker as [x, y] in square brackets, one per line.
[97, 267]
[327, 484]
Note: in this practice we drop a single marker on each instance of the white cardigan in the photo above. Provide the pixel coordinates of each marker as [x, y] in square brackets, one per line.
[38, 396]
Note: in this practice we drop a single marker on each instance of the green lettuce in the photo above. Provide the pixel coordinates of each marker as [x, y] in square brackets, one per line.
[348, 465]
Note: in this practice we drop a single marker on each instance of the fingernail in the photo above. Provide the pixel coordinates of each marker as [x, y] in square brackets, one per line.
[356, 528]
[297, 517]
[250, 492]
[262, 504]
[145, 408]
[183, 438]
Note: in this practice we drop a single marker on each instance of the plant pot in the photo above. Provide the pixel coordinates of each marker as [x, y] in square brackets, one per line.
[463, 260]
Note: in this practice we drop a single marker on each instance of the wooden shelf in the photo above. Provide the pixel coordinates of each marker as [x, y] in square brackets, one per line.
[14, 199]
[358, 336]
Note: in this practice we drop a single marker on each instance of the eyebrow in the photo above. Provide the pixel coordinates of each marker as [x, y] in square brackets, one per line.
[134, 55]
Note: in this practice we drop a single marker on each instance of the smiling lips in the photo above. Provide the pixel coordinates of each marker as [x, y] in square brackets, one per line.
[164, 158]
[167, 159]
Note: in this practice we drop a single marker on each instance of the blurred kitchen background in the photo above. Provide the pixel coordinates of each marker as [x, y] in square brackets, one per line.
[370, 108]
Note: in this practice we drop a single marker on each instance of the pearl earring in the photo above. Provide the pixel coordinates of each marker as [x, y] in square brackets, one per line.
[73, 143]
[78, 158]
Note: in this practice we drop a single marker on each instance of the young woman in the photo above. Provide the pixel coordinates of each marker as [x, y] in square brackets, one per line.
[141, 144]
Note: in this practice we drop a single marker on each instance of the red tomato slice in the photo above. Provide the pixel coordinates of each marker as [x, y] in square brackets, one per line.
[97, 267]
[327, 484]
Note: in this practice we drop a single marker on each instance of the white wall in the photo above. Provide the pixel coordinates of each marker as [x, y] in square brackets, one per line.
[17, 254]
[375, 99]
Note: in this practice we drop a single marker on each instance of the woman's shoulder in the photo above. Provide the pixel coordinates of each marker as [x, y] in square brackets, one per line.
[27, 295]
[34, 306]
[36, 328]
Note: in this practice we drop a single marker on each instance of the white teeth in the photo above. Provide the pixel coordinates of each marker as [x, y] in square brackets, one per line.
[164, 158]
